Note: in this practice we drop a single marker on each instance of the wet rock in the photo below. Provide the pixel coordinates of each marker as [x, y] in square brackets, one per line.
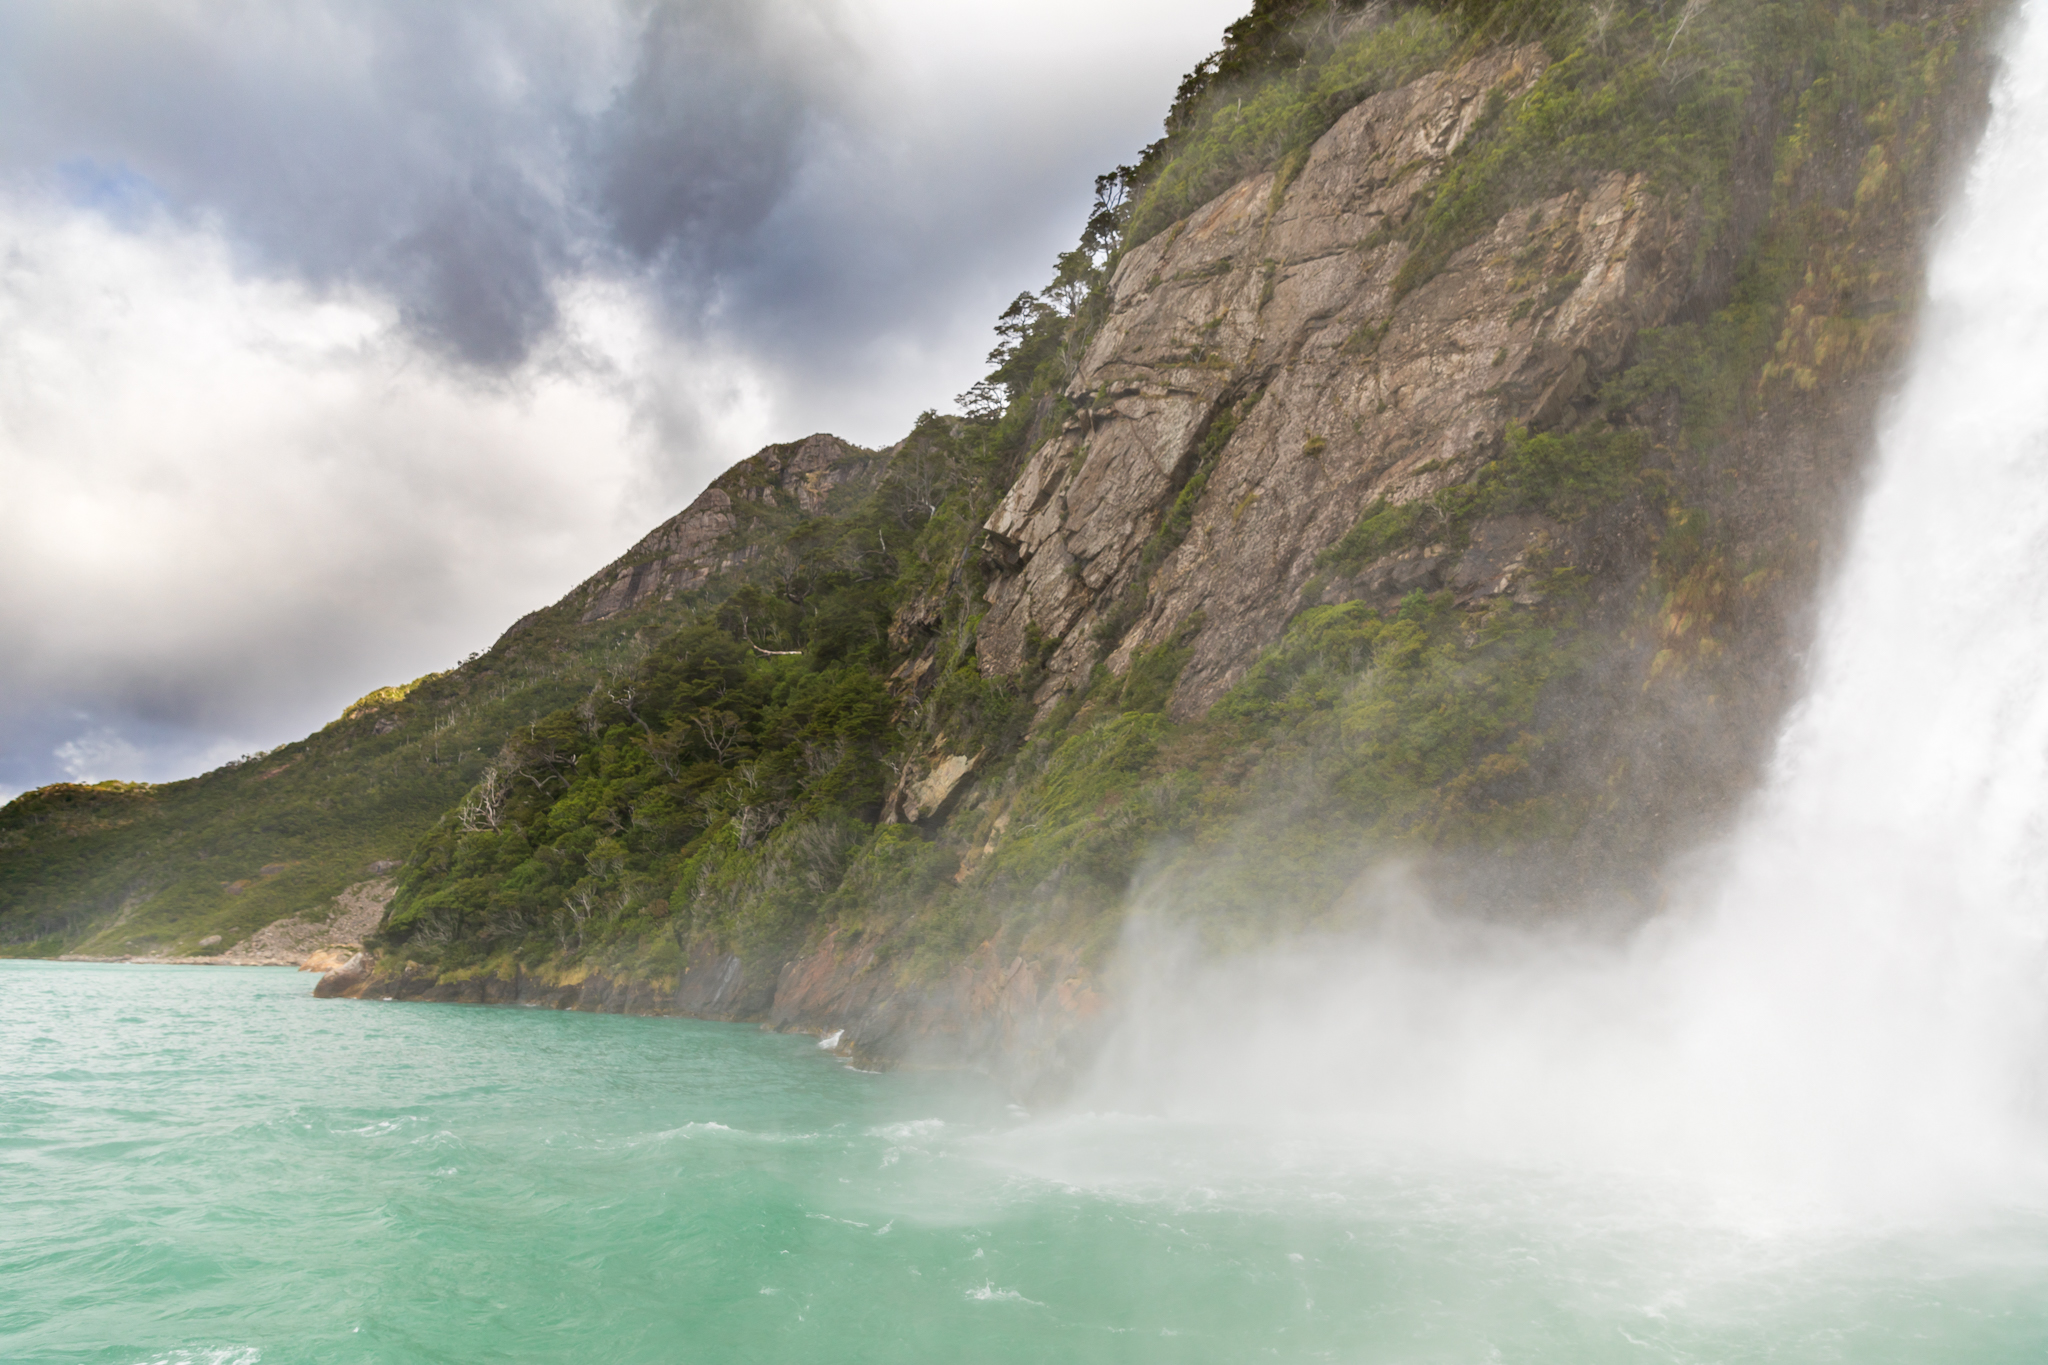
[1026, 1021]
[347, 979]
[1504, 552]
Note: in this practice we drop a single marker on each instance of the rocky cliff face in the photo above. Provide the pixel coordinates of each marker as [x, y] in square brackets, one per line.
[1026, 1022]
[684, 552]
[1329, 541]
[1288, 291]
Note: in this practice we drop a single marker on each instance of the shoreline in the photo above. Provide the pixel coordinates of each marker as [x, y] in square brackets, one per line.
[139, 960]
[1027, 1023]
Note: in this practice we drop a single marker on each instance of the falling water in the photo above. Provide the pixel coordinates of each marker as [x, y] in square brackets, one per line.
[1852, 1018]
[1871, 976]
[1800, 1122]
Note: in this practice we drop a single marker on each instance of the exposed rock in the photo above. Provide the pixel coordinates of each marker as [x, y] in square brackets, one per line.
[304, 941]
[1286, 293]
[929, 789]
[1365, 395]
[356, 913]
[1504, 552]
[683, 552]
[349, 976]
[1026, 1021]
[719, 987]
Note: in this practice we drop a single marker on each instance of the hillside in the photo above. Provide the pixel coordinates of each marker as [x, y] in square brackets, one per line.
[1425, 460]
[122, 868]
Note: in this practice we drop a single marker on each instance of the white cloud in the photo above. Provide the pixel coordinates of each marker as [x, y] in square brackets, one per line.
[97, 755]
[233, 499]
[228, 495]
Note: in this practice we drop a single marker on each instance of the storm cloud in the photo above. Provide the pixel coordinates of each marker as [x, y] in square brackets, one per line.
[334, 336]
[456, 158]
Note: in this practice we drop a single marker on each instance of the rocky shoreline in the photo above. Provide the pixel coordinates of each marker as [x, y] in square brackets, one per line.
[303, 941]
[1027, 1023]
[320, 960]
[143, 959]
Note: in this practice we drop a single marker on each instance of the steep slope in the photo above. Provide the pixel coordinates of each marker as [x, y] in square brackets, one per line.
[1347, 524]
[124, 869]
[1426, 460]
[717, 534]
[1287, 291]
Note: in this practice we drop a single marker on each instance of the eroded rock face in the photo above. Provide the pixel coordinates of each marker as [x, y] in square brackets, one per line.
[1026, 1021]
[1288, 293]
[683, 552]
[352, 916]
[928, 787]
[346, 980]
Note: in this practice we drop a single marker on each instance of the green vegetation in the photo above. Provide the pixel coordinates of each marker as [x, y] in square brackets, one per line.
[1664, 90]
[717, 771]
[713, 790]
[1233, 131]
[123, 868]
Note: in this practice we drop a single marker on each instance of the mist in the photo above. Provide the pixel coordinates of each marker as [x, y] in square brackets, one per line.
[1840, 1018]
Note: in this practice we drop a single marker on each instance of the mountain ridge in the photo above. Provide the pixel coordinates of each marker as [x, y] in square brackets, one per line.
[1445, 490]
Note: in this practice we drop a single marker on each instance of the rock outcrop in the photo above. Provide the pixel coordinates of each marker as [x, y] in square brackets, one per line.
[1027, 1022]
[347, 979]
[1024, 1021]
[686, 550]
[310, 941]
[354, 916]
[1245, 388]
[1289, 291]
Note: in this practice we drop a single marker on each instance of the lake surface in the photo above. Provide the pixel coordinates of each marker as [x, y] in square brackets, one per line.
[208, 1165]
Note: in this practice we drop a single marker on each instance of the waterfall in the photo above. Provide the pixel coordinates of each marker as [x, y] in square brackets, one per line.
[1855, 1012]
[1871, 973]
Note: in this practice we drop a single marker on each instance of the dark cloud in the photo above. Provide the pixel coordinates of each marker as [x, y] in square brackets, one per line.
[336, 335]
[460, 158]
[739, 155]
[705, 138]
[475, 275]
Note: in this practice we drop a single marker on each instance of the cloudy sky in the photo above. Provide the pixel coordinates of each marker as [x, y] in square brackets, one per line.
[337, 334]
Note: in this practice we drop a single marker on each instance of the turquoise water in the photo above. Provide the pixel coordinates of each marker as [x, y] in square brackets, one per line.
[207, 1165]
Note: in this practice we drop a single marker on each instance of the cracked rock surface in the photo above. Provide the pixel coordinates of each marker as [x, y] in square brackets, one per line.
[1288, 292]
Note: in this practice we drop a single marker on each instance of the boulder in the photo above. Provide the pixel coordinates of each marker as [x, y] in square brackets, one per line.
[339, 981]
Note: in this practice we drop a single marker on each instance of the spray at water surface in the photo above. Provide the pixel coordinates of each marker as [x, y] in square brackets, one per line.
[1846, 1015]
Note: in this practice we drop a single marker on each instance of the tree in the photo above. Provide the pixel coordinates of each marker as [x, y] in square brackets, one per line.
[484, 807]
[925, 470]
[721, 730]
[546, 751]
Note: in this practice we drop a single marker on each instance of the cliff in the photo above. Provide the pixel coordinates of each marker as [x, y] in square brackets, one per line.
[1287, 291]
[1427, 459]
[711, 535]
